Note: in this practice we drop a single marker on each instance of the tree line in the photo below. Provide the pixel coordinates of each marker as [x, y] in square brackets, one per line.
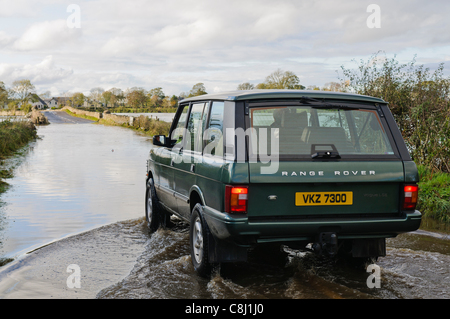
[138, 98]
[23, 91]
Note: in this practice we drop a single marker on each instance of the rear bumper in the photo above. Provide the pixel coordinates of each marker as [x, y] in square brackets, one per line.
[245, 231]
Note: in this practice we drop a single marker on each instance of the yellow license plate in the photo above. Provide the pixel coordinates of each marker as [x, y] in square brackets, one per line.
[323, 198]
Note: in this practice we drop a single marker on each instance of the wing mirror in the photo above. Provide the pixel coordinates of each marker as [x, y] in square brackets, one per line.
[160, 140]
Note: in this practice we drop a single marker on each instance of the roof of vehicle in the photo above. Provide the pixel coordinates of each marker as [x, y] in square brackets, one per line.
[282, 94]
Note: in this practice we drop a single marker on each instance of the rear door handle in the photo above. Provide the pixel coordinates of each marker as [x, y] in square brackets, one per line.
[192, 168]
[172, 162]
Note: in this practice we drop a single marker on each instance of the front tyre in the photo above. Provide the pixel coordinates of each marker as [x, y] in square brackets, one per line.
[199, 242]
[152, 209]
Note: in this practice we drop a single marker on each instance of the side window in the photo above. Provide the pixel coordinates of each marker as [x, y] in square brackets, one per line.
[178, 132]
[194, 128]
[213, 136]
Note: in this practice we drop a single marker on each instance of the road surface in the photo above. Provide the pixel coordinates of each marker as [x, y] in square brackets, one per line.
[61, 117]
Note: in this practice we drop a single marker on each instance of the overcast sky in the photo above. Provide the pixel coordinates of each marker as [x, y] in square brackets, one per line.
[175, 44]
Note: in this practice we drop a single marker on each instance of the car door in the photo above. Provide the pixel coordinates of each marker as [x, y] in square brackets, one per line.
[166, 186]
[188, 156]
[209, 170]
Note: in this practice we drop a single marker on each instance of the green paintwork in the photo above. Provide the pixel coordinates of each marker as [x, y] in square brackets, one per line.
[376, 186]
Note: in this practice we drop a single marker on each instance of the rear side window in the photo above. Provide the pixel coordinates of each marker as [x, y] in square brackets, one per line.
[296, 129]
[213, 136]
[194, 127]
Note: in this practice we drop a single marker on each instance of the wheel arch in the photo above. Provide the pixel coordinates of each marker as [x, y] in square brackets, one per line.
[149, 175]
[196, 197]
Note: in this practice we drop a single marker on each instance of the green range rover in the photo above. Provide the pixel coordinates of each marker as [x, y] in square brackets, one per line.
[321, 171]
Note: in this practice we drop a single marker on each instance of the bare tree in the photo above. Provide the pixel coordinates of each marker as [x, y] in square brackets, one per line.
[246, 86]
[22, 90]
[281, 80]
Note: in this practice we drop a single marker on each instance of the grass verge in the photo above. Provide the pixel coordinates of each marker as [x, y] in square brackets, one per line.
[13, 136]
[82, 116]
[142, 124]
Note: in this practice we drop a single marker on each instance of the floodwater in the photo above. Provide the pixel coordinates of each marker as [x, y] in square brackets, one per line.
[164, 270]
[74, 178]
[79, 177]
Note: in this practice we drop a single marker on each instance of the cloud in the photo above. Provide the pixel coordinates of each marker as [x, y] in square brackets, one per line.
[5, 39]
[16, 8]
[42, 73]
[47, 35]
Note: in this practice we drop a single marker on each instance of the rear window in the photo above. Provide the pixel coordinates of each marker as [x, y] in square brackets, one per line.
[299, 130]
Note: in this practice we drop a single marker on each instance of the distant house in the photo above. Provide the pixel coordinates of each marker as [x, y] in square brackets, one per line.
[35, 101]
[53, 102]
[40, 104]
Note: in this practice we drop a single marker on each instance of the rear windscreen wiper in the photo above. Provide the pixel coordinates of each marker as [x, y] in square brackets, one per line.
[334, 106]
[321, 104]
[305, 99]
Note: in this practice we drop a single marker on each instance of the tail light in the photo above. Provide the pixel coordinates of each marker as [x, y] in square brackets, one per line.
[411, 193]
[236, 199]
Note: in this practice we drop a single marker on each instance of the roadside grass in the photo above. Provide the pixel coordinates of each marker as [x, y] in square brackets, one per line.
[13, 136]
[82, 116]
[434, 194]
[143, 125]
[151, 127]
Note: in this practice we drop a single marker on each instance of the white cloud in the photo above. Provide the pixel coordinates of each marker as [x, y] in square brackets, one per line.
[5, 39]
[47, 35]
[40, 74]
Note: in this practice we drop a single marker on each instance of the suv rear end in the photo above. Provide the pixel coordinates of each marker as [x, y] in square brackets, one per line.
[315, 170]
[327, 169]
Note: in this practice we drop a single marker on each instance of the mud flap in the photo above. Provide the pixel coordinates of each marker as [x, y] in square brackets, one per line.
[371, 247]
[223, 251]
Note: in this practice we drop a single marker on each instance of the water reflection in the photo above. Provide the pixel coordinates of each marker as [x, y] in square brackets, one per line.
[77, 177]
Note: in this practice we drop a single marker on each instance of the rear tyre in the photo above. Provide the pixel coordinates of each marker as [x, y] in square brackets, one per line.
[153, 212]
[199, 242]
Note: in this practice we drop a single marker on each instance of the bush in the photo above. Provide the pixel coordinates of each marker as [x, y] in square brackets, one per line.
[419, 101]
[14, 135]
[434, 194]
[152, 126]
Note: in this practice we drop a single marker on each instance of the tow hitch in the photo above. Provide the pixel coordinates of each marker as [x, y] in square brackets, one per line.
[326, 244]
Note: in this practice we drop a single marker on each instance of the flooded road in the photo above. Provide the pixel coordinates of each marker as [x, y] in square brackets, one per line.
[80, 177]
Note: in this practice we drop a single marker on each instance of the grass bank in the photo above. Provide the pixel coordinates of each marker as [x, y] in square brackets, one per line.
[151, 126]
[13, 136]
[142, 124]
[82, 116]
[434, 194]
